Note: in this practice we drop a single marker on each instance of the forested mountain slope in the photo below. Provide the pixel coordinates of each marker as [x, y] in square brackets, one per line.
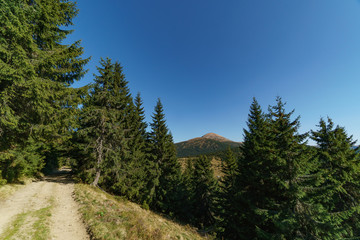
[207, 144]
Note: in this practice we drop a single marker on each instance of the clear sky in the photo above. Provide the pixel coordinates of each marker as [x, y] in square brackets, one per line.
[206, 59]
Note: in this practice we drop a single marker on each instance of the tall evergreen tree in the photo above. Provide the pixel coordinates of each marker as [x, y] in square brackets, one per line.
[36, 70]
[120, 167]
[253, 182]
[289, 157]
[204, 187]
[166, 171]
[134, 182]
[101, 132]
[269, 190]
[186, 210]
[226, 200]
[338, 189]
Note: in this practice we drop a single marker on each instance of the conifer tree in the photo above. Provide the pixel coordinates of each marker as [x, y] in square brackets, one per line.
[269, 181]
[135, 169]
[289, 157]
[337, 191]
[101, 130]
[36, 70]
[121, 167]
[183, 200]
[253, 181]
[186, 212]
[227, 201]
[204, 187]
[166, 172]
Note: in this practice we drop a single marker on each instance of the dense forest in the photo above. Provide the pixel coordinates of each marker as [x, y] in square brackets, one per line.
[279, 187]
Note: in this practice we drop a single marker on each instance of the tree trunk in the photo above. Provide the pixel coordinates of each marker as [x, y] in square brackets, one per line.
[99, 150]
[97, 177]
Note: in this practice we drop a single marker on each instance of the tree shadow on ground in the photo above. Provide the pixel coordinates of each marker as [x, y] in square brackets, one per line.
[63, 176]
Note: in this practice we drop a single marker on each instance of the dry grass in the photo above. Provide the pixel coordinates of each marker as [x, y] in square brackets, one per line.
[109, 218]
[9, 189]
[215, 163]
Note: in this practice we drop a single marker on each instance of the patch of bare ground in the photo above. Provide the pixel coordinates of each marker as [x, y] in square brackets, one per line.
[42, 210]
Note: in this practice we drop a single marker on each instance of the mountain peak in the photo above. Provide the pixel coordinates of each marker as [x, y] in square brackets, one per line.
[210, 143]
[216, 137]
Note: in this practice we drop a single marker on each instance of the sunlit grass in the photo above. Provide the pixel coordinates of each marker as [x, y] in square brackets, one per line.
[110, 218]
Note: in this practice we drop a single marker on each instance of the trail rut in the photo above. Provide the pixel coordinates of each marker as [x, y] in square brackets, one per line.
[45, 204]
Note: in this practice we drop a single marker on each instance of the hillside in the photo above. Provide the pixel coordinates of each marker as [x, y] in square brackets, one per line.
[113, 218]
[45, 209]
[207, 144]
[217, 137]
[216, 164]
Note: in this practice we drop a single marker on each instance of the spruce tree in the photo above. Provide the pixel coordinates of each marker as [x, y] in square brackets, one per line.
[204, 187]
[121, 167]
[253, 181]
[101, 132]
[226, 200]
[269, 191]
[166, 168]
[289, 157]
[186, 210]
[135, 180]
[36, 69]
[338, 183]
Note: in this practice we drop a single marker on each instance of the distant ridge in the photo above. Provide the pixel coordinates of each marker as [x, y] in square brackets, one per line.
[207, 144]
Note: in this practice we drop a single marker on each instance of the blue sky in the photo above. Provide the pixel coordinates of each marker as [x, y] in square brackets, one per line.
[206, 59]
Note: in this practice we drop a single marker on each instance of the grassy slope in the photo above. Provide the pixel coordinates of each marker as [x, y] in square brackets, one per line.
[217, 159]
[216, 164]
[109, 218]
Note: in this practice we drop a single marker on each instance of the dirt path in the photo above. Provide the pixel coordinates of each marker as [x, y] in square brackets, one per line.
[42, 210]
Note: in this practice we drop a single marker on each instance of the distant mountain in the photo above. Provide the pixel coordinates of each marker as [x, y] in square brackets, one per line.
[205, 145]
[217, 137]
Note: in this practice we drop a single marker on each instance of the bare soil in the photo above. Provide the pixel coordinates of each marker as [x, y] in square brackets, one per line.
[55, 192]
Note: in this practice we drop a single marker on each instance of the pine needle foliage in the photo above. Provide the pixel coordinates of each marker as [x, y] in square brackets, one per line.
[290, 158]
[254, 182]
[101, 133]
[268, 191]
[226, 200]
[205, 188]
[135, 168]
[165, 178]
[36, 69]
[337, 191]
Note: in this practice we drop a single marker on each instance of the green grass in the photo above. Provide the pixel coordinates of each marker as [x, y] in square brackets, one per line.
[110, 218]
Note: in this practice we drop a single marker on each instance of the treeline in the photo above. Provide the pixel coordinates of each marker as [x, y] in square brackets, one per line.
[278, 187]
[281, 188]
[113, 149]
